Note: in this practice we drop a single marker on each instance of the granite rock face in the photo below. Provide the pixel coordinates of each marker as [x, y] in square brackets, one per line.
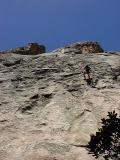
[47, 110]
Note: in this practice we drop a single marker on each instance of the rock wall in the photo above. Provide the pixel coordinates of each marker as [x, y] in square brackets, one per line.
[47, 110]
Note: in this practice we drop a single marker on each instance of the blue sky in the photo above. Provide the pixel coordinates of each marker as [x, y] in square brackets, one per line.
[56, 23]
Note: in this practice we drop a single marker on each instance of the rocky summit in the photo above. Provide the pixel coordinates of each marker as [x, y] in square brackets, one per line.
[48, 109]
[29, 49]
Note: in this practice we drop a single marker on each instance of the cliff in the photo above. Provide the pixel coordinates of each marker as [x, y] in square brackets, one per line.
[47, 109]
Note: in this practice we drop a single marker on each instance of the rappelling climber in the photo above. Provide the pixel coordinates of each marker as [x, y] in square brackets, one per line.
[87, 75]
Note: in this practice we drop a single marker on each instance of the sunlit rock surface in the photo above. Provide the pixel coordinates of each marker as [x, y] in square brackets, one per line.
[82, 48]
[47, 110]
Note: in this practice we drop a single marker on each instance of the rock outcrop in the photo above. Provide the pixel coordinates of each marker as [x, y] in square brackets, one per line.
[30, 49]
[47, 110]
[86, 47]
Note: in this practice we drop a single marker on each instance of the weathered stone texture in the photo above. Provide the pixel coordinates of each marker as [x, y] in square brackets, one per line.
[86, 47]
[47, 110]
[30, 49]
